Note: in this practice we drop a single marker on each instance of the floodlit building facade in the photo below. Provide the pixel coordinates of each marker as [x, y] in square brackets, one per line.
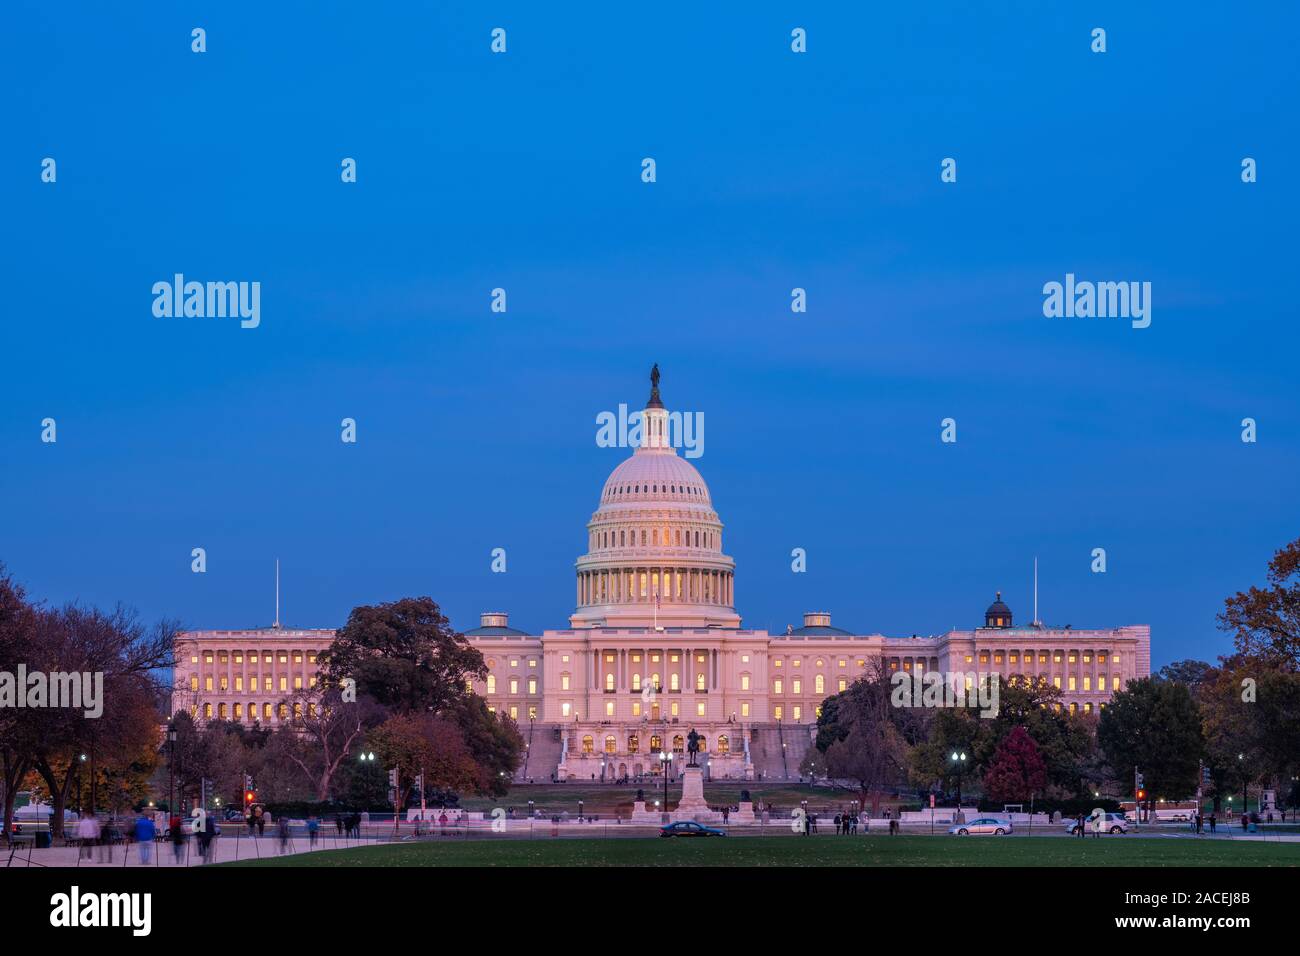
[655, 648]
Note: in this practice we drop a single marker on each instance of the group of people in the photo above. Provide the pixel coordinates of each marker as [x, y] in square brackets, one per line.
[348, 825]
[846, 824]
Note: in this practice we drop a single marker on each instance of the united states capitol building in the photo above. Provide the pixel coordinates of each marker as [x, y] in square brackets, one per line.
[655, 648]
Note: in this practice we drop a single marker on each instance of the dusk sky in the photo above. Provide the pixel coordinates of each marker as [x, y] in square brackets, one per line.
[775, 170]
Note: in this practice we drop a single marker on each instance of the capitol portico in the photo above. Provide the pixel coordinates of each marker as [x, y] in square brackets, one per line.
[655, 647]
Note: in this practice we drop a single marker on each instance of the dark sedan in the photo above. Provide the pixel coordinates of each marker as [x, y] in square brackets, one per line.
[686, 828]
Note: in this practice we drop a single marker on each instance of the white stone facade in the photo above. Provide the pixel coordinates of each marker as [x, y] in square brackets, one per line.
[655, 648]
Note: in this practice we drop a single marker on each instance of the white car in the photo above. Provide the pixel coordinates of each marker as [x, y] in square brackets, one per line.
[1113, 823]
[990, 826]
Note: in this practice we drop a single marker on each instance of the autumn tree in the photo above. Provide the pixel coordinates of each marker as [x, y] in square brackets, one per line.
[1265, 622]
[415, 744]
[1017, 772]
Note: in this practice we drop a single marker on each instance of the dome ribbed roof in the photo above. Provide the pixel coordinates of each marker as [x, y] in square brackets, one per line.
[655, 475]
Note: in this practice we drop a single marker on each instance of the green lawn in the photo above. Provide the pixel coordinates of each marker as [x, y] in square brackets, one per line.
[807, 851]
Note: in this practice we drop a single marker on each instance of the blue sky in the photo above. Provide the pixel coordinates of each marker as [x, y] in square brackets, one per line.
[775, 170]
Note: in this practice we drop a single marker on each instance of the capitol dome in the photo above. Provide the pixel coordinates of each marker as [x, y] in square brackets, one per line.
[654, 545]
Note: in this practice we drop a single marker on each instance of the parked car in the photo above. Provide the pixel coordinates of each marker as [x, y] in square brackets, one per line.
[1114, 823]
[984, 826]
[686, 828]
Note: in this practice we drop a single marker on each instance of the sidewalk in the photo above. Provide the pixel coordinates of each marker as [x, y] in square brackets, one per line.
[228, 847]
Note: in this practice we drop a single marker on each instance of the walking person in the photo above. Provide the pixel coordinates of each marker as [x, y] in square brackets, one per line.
[313, 827]
[87, 835]
[144, 834]
[209, 837]
[282, 826]
[261, 821]
[177, 833]
[1213, 822]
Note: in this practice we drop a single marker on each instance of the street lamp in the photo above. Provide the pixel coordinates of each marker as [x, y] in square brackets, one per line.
[665, 762]
[1245, 797]
[958, 759]
[171, 769]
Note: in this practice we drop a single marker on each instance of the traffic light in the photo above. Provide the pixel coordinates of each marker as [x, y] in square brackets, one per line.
[392, 778]
[1141, 795]
[250, 798]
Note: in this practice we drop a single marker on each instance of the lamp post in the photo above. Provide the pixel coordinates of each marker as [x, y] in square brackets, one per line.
[958, 759]
[1245, 794]
[171, 769]
[665, 762]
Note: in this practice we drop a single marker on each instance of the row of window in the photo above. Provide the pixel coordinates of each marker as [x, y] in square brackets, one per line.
[651, 538]
[254, 657]
[222, 683]
[619, 491]
[268, 711]
[656, 744]
[1027, 657]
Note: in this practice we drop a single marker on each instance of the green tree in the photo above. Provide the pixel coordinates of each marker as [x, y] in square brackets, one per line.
[405, 655]
[1155, 727]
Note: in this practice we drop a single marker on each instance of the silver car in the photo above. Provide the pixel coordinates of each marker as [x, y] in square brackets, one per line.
[984, 826]
[1112, 823]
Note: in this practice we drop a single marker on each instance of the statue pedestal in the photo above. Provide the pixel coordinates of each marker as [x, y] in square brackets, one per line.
[692, 805]
[745, 814]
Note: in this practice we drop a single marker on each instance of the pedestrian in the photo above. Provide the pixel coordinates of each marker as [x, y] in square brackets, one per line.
[144, 834]
[261, 822]
[442, 822]
[106, 842]
[837, 824]
[87, 835]
[313, 826]
[209, 837]
[338, 823]
[282, 825]
[1097, 824]
[177, 833]
[1200, 822]
[1213, 822]
[251, 819]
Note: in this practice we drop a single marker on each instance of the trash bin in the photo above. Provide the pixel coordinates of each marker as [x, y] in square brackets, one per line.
[42, 839]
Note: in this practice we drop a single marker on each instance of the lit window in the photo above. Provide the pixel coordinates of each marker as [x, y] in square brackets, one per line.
[744, 708]
[514, 685]
[699, 709]
[609, 708]
[744, 682]
[492, 683]
[777, 686]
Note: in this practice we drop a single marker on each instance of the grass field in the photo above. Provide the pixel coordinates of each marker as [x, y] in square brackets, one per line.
[807, 851]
